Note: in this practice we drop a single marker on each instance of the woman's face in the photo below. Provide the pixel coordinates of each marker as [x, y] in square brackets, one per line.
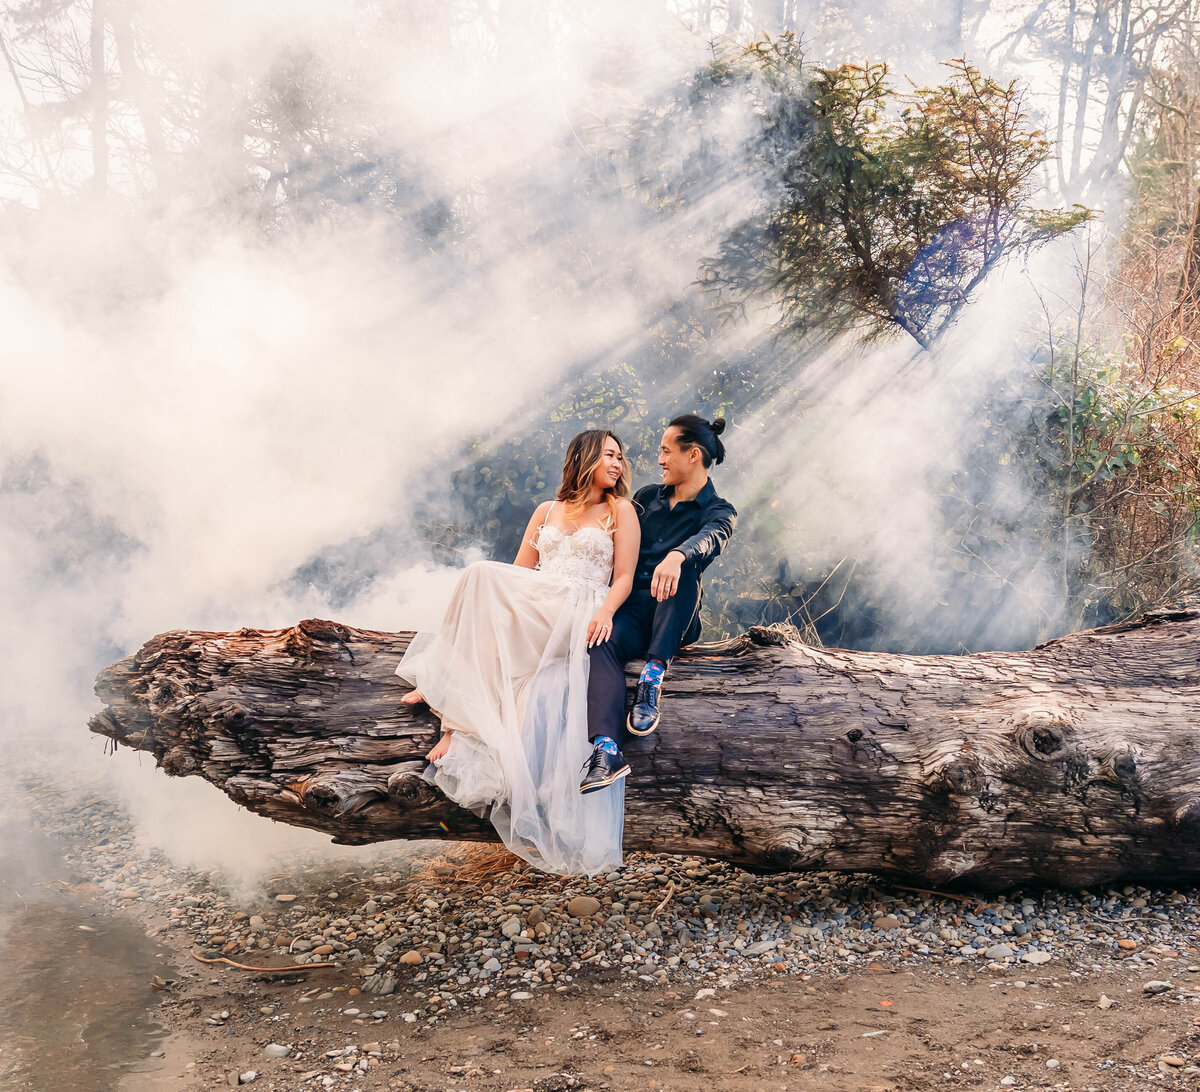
[608, 473]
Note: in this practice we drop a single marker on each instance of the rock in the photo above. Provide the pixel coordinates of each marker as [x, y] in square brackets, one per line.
[1007, 1082]
[276, 1050]
[1157, 986]
[583, 906]
[494, 965]
[512, 927]
[1053, 1063]
[1106, 1002]
[412, 958]
[286, 898]
[520, 995]
[248, 1076]
[999, 951]
[536, 916]
[760, 947]
[1127, 944]
[705, 993]
[128, 895]
[1036, 958]
[323, 949]
[886, 922]
[1173, 1060]
[380, 984]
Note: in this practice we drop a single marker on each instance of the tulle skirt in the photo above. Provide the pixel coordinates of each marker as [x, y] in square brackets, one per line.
[508, 673]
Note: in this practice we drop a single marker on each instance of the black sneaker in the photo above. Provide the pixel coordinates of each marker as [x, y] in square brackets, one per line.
[643, 717]
[603, 768]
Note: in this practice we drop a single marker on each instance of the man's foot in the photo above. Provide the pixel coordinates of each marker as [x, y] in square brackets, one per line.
[413, 697]
[606, 765]
[643, 717]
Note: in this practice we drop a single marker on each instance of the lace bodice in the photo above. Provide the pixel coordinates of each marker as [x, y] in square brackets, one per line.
[584, 557]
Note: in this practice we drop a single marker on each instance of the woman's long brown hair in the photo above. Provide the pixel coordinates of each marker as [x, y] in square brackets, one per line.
[584, 453]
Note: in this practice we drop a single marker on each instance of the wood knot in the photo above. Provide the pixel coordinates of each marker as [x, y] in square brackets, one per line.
[958, 775]
[1042, 734]
[1187, 819]
[854, 735]
[788, 852]
[179, 762]
[409, 789]
[304, 636]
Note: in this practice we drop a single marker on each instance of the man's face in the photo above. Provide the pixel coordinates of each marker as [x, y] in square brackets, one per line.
[676, 463]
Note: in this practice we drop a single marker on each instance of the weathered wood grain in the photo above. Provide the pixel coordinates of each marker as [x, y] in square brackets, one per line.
[1075, 763]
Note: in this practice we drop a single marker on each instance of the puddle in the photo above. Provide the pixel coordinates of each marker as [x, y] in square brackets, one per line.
[77, 1013]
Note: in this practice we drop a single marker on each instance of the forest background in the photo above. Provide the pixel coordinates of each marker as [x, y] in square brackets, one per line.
[303, 303]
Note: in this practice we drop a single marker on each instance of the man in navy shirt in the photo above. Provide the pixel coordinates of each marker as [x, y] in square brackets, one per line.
[684, 526]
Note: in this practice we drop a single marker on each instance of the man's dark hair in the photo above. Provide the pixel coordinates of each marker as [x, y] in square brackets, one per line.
[695, 431]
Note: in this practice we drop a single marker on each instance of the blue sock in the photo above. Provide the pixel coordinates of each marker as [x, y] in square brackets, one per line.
[607, 745]
[653, 672]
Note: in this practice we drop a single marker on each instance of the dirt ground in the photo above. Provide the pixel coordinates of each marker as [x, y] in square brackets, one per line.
[866, 1031]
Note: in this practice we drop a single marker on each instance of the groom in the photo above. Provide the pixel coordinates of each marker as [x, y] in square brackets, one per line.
[684, 526]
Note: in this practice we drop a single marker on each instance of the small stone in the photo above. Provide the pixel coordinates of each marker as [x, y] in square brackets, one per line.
[248, 1076]
[128, 895]
[999, 951]
[536, 916]
[1173, 1060]
[1157, 986]
[887, 922]
[583, 906]
[1053, 1063]
[323, 949]
[798, 1059]
[1106, 1002]
[1127, 944]
[285, 898]
[1036, 958]
[512, 927]
[276, 1050]
[707, 992]
[412, 958]
[520, 995]
[1007, 1082]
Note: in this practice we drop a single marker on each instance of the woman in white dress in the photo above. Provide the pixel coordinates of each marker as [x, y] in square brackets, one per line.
[507, 671]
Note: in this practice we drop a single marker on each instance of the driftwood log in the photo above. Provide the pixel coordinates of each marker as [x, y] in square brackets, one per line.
[1073, 764]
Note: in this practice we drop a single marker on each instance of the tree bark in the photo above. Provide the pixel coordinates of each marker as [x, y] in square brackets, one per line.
[1074, 764]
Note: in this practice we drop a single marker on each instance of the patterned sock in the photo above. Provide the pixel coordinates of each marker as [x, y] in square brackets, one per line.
[607, 745]
[653, 672]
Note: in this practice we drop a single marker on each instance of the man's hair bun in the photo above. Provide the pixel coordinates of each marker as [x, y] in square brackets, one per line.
[718, 425]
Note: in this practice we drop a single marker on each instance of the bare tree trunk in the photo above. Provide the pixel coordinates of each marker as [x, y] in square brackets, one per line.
[1076, 763]
[99, 103]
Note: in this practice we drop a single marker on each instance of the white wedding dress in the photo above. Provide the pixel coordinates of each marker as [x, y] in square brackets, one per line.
[508, 672]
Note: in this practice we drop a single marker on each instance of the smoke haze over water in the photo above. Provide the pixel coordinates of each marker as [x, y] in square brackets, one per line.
[208, 390]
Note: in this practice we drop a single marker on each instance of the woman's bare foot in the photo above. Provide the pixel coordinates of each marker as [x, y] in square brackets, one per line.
[413, 697]
[440, 748]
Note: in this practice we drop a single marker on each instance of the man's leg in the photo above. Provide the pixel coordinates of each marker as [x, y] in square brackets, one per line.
[674, 621]
[606, 672]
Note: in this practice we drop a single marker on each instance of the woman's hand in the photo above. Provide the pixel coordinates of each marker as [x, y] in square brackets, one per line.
[441, 747]
[600, 628]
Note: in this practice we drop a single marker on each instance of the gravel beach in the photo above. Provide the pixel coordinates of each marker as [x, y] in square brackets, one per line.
[365, 973]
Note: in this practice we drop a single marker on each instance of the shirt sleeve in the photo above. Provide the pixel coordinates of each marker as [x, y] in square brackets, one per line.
[710, 540]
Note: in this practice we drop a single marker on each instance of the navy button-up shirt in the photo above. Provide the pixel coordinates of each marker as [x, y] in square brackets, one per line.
[698, 528]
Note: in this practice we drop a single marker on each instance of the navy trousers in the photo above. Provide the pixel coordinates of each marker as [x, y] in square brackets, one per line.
[642, 629]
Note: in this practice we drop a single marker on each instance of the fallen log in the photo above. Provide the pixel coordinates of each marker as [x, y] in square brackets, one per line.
[1073, 764]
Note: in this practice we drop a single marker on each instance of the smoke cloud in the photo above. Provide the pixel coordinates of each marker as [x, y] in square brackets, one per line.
[209, 392]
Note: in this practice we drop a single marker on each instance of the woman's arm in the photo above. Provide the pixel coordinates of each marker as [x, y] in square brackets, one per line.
[527, 555]
[627, 539]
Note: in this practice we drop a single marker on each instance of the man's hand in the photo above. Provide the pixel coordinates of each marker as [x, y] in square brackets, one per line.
[665, 581]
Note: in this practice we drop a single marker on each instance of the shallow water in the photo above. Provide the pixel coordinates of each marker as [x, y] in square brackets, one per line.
[77, 1012]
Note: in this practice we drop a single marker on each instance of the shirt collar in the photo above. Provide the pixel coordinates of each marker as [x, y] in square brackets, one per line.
[701, 499]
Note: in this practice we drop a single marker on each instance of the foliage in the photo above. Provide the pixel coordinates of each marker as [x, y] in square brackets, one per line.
[879, 217]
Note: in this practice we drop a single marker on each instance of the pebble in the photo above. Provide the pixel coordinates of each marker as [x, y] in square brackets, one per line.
[248, 1076]
[276, 1050]
[509, 935]
[583, 906]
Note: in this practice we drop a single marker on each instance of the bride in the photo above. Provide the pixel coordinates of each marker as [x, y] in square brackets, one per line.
[507, 672]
